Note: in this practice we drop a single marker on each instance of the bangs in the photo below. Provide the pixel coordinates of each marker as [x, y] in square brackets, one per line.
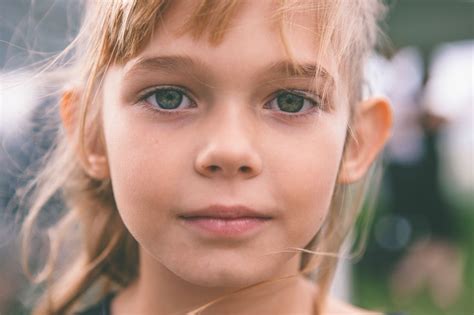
[123, 28]
[129, 25]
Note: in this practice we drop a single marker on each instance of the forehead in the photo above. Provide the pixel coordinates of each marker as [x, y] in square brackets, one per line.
[249, 31]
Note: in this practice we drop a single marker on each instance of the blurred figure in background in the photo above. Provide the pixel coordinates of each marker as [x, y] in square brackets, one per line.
[419, 231]
[447, 121]
[449, 94]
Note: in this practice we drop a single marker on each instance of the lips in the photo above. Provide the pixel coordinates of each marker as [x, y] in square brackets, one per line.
[221, 222]
[225, 212]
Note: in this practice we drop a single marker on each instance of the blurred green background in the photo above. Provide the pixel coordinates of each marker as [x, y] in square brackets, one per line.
[424, 24]
[427, 23]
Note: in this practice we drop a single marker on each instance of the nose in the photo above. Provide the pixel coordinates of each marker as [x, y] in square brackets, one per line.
[229, 148]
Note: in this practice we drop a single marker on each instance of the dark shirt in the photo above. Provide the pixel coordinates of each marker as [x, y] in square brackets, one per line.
[101, 308]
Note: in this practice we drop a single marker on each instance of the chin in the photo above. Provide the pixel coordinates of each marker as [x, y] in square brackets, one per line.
[222, 277]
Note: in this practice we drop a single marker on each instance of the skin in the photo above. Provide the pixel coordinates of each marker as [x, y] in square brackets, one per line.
[229, 148]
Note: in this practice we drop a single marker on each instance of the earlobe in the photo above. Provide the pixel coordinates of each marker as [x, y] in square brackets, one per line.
[97, 166]
[92, 158]
[369, 133]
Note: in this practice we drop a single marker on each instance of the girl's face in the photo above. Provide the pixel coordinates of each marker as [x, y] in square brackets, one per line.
[189, 125]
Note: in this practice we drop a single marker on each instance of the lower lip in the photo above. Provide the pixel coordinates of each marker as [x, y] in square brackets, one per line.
[226, 227]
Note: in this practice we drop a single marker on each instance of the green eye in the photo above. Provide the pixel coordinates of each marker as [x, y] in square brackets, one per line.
[295, 103]
[290, 102]
[168, 98]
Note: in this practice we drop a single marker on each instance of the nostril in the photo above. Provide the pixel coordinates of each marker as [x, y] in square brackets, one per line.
[245, 169]
[214, 168]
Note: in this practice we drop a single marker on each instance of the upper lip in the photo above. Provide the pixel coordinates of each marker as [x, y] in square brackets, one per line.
[225, 212]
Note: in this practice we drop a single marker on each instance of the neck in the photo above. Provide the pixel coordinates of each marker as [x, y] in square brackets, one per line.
[159, 291]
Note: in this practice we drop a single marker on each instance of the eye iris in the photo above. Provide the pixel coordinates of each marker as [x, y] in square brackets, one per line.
[168, 99]
[290, 102]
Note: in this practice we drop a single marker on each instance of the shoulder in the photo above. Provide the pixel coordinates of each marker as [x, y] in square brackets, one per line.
[335, 306]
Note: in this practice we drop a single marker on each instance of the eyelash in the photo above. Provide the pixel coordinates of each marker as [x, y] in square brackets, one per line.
[316, 101]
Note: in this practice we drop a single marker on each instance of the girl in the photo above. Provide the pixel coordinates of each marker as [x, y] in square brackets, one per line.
[213, 157]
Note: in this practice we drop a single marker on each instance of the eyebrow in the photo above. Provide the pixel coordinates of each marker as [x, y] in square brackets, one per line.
[162, 63]
[184, 63]
[303, 70]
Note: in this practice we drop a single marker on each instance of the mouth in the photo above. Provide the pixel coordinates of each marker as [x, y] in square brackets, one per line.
[225, 212]
[225, 221]
[225, 227]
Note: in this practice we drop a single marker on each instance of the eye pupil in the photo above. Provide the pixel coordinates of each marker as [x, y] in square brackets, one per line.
[290, 102]
[168, 99]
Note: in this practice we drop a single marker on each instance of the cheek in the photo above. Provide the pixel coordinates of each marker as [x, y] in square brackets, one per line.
[304, 181]
[144, 170]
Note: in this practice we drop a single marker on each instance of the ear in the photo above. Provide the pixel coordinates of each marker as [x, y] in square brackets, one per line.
[93, 158]
[370, 131]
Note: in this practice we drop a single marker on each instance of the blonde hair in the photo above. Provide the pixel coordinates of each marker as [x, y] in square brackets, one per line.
[113, 32]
